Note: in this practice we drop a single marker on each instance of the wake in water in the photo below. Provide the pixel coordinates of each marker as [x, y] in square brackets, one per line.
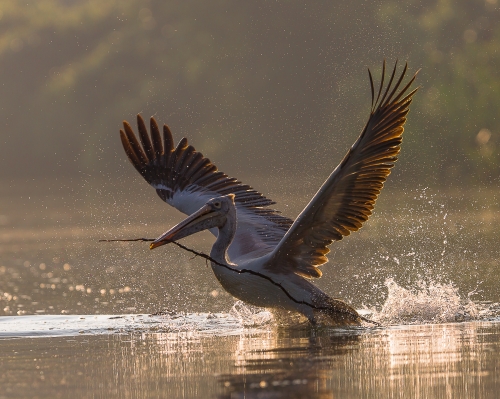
[190, 325]
[429, 303]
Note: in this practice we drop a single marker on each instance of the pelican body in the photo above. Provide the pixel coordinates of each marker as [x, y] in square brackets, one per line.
[260, 256]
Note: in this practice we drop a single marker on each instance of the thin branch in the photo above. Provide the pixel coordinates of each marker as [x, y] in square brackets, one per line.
[131, 239]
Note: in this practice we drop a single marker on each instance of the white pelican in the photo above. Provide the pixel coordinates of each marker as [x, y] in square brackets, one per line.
[260, 256]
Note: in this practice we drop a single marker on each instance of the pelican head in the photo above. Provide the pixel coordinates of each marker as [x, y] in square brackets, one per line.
[213, 214]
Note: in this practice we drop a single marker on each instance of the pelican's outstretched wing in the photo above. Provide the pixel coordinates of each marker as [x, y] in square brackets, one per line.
[185, 179]
[347, 198]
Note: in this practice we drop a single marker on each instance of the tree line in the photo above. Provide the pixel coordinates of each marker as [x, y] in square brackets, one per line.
[254, 78]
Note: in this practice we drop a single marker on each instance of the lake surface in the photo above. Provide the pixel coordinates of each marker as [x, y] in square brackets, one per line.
[75, 314]
[423, 361]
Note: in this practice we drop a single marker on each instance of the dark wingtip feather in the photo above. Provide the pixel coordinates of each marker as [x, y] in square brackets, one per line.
[144, 136]
[371, 86]
[168, 141]
[396, 86]
[134, 144]
[402, 92]
[390, 82]
[129, 151]
[381, 83]
[155, 137]
[183, 144]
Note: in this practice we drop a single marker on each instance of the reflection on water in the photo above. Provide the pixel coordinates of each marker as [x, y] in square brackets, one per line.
[426, 361]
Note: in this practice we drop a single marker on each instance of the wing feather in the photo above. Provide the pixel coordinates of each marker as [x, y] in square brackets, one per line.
[347, 198]
[145, 141]
[168, 145]
[185, 179]
[156, 138]
[130, 151]
[134, 144]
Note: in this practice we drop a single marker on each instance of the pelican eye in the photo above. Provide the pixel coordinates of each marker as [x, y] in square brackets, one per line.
[216, 204]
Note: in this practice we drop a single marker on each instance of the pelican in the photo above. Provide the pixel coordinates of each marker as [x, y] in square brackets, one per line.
[260, 256]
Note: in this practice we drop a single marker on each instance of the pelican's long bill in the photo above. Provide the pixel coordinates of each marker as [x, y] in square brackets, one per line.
[205, 218]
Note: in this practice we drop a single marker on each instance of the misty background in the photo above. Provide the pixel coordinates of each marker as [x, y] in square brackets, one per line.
[261, 87]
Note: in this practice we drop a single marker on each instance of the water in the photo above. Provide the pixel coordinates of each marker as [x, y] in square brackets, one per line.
[76, 315]
[457, 360]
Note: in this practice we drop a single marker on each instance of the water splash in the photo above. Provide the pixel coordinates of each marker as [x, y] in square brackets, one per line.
[427, 303]
[250, 316]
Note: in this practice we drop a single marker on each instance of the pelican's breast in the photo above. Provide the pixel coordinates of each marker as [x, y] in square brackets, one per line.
[262, 288]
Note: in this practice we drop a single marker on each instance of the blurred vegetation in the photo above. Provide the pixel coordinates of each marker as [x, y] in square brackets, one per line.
[245, 81]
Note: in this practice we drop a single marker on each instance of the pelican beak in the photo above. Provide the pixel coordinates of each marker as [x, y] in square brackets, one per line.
[205, 218]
